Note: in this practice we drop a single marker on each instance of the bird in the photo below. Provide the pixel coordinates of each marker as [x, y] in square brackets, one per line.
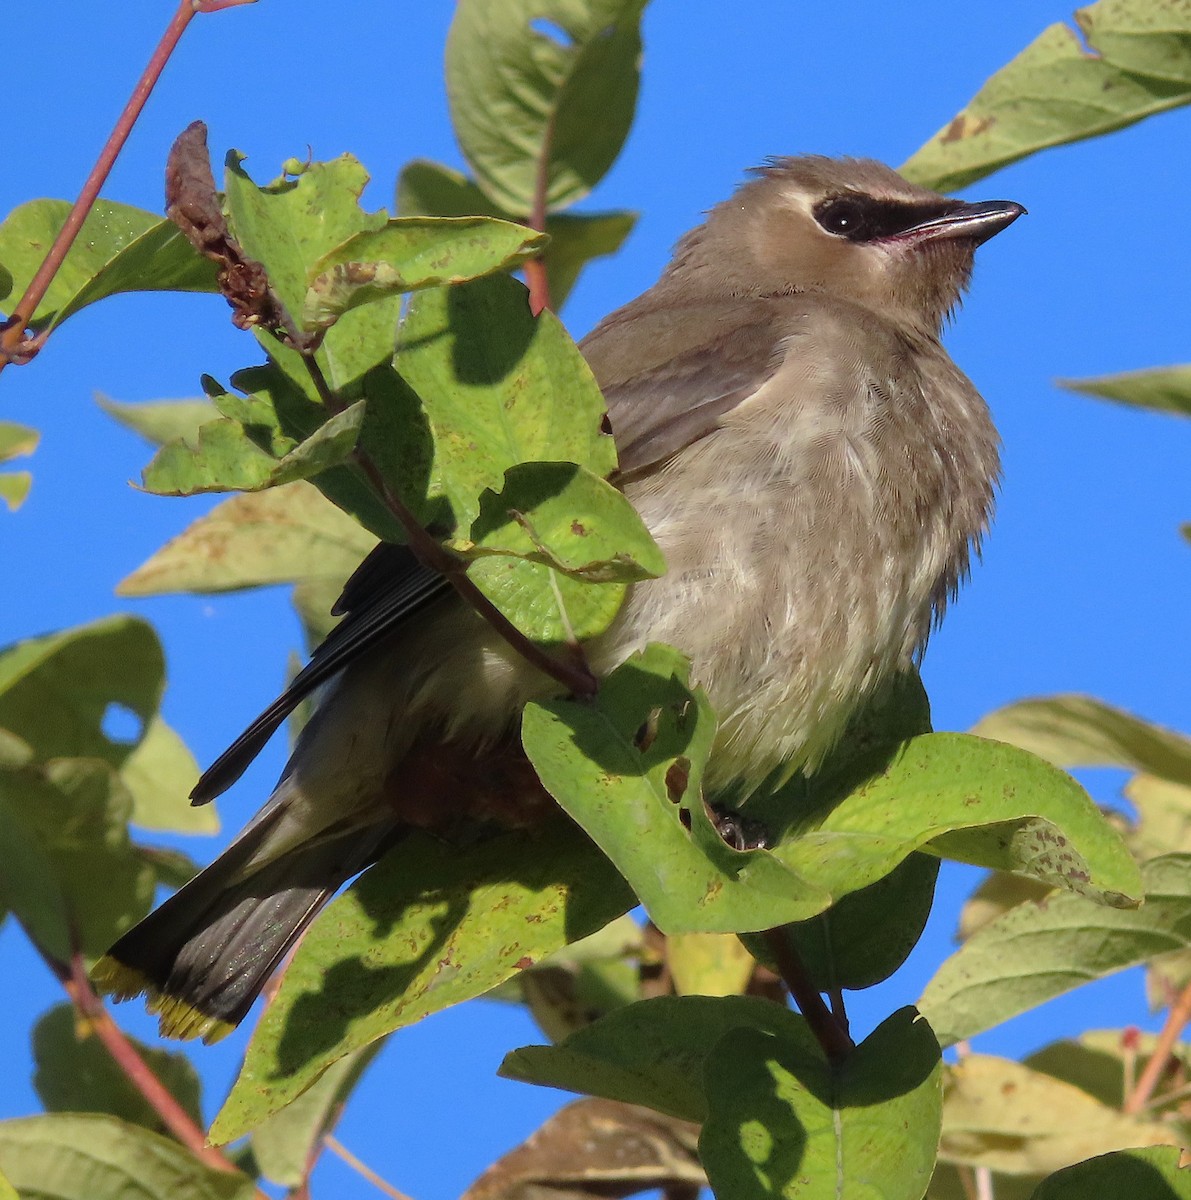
[819, 475]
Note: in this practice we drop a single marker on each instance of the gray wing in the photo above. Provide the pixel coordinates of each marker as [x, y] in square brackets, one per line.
[669, 375]
[386, 589]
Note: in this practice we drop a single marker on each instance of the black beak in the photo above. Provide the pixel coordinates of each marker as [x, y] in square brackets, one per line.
[973, 222]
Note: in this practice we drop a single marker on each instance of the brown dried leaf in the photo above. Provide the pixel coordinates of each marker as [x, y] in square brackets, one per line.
[192, 203]
[597, 1148]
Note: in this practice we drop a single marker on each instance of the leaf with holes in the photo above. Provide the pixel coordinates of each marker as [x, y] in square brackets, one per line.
[628, 767]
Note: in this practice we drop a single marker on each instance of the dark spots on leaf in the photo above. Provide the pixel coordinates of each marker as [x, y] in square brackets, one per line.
[965, 126]
[524, 962]
[578, 529]
[678, 778]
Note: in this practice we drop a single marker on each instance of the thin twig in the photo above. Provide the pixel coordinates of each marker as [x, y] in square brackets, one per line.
[1179, 1015]
[14, 346]
[535, 268]
[333, 1144]
[830, 1034]
[575, 676]
[73, 978]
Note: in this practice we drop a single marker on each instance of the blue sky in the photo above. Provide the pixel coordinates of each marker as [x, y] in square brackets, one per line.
[1085, 577]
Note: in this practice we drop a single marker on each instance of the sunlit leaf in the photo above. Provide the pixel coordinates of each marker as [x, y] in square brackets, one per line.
[1080, 731]
[1135, 63]
[409, 254]
[655, 1052]
[784, 1122]
[542, 90]
[1002, 1115]
[1036, 951]
[1161, 389]
[82, 1156]
[118, 249]
[430, 926]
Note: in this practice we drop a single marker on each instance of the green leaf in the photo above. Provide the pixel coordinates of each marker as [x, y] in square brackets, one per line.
[543, 604]
[430, 189]
[1035, 952]
[957, 796]
[14, 488]
[996, 894]
[1160, 389]
[1080, 731]
[71, 873]
[864, 937]
[563, 516]
[574, 986]
[654, 1052]
[119, 249]
[1164, 816]
[409, 254]
[627, 766]
[227, 458]
[282, 1145]
[1001, 1115]
[708, 964]
[1142, 1174]
[77, 1156]
[430, 926]
[1137, 63]
[159, 774]
[1096, 1062]
[783, 1121]
[542, 90]
[56, 691]
[279, 411]
[162, 421]
[74, 1073]
[15, 440]
[283, 535]
[500, 387]
[290, 225]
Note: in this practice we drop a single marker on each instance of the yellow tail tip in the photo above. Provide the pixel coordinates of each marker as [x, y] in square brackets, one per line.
[176, 1018]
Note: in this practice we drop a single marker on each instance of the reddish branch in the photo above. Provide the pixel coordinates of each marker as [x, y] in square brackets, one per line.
[73, 978]
[14, 345]
[1176, 1019]
[535, 269]
[831, 1034]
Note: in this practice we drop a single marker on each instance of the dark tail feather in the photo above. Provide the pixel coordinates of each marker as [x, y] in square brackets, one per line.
[203, 956]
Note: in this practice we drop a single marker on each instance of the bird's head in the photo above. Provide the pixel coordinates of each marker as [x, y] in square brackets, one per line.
[848, 227]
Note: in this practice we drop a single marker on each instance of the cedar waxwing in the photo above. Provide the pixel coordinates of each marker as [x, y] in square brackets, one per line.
[817, 472]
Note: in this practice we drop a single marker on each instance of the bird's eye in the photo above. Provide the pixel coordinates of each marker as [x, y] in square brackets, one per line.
[843, 217]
